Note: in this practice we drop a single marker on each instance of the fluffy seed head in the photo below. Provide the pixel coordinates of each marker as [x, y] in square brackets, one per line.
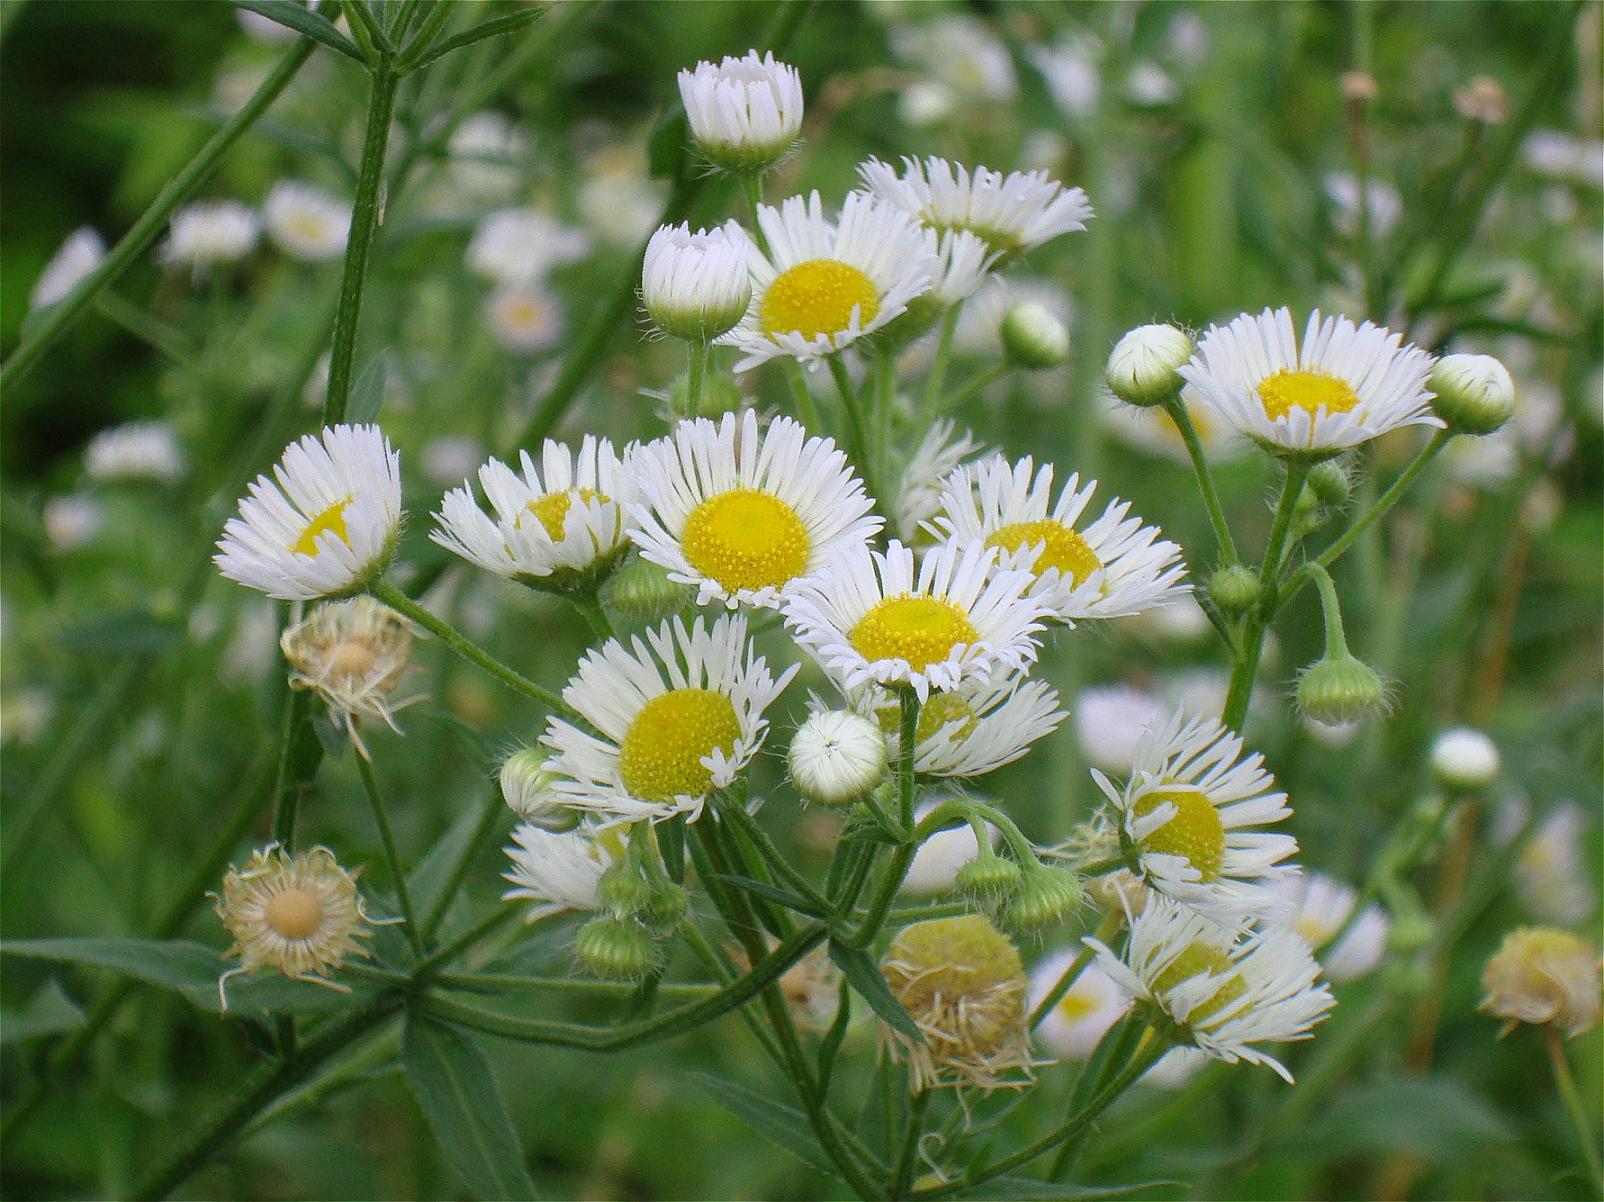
[1474, 393]
[353, 654]
[1543, 975]
[1145, 366]
[837, 756]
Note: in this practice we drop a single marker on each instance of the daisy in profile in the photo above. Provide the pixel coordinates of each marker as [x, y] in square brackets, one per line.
[560, 870]
[973, 729]
[696, 286]
[676, 716]
[324, 525]
[1341, 386]
[1073, 1028]
[1188, 818]
[143, 450]
[742, 514]
[305, 221]
[557, 526]
[1012, 212]
[1318, 908]
[1114, 568]
[876, 617]
[1221, 990]
[825, 284]
[745, 113]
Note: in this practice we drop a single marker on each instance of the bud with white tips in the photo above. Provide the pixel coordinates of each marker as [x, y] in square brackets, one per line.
[745, 113]
[1144, 368]
[837, 756]
[526, 787]
[1033, 338]
[696, 286]
[1474, 393]
[1464, 758]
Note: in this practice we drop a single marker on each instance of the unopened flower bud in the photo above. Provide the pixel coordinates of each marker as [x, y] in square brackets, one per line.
[1234, 588]
[641, 591]
[696, 286]
[1340, 688]
[1145, 366]
[1329, 483]
[666, 906]
[526, 787]
[745, 113]
[988, 879]
[615, 948]
[624, 891]
[1543, 975]
[1044, 897]
[837, 756]
[1033, 338]
[1474, 393]
[1464, 758]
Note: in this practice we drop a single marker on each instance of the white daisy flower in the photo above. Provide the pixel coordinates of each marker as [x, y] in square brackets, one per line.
[1223, 990]
[1012, 212]
[486, 150]
[305, 221]
[203, 235]
[515, 246]
[962, 262]
[676, 717]
[742, 515]
[824, 285]
[875, 617]
[555, 525]
[525, 318]
[1343, 385]
[1076, 1025]
[1551, 875]
[942, 451]
[745, 113]
[327, 526]
[973, 729]
[80, 254]
[145, 450]
[559, 871]
[1187, 817]
[73, 520]
[1110, 722]
[696, 286]
[1318, 907]
[1115, 568]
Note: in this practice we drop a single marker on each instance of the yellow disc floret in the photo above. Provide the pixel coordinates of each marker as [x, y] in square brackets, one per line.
[1195, 832]
[332, 518]
[818, 297]
[919, 629]
[1310, 391]
[552, 509]
[746, 539]
[1062, 549]
[661, 755]
[1195, 960]
[293, 913]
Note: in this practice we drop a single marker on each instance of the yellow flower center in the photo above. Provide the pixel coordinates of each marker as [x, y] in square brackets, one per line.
[1061, 548]
[922, 630]
[1195, 832]
[525, 312]
[293, 913]
[950, 712]
[552, 509]
[1075, 1007]
[1310, 391]
[1315, 931]
[332, 518]
[661, 756]
[1199, 958]
[817, 297]
[746, 539]
[308, 226]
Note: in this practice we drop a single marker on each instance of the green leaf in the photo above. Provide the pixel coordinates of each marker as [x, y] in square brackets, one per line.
[303, 20]
[782, 1125]
[130, 632]
[452, 1079]
[864, 975]
[485, 29]
[1025, 1187]
[367, 394]
[48, 1012]
[667, 150]
[192, 969]
[774, 893]
[1435, 1119]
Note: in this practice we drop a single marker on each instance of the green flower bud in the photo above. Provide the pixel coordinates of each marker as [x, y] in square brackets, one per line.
[1033, 338]
[1234, 588]
[1044, 897]
[1145, 366]
[641, 592]
[1329, 483]
[988, 879]
[666, 907]
[1340, 688]
[615, 948]
[1474, 393]
[624, 891]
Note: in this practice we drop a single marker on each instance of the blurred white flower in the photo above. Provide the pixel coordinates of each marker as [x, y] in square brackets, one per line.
[73, 520]
[305, 221]
[1317, 908]
[960, 52]
[450, 458]
[1551, 875]
[1386, 206]
[525, 318]
[620, 203]
[517, 246]
[143, 450]
[924, 103]
[979, 330]
[212, 232]
[1149, 85]
[81, 253]
[1094, 1003]
[1072, 72]
[1565, 156]
[487, 152]
[1110, 722]
[1464, 758]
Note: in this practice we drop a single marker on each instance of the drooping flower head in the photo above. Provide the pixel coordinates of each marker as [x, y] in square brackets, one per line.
[677, 715]
[325, 525]
[560, 870]
[1012, 212]
[1115, 567]
[745, 113]
[353, 654]
[1339, 386]
[741, 515]
[1543, 975]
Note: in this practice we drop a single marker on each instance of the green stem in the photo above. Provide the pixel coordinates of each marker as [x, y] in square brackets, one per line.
[975, 384]
[908, 1155]
[806, 409]
[752, 188]
[885, 388]
[299, 755]
[381, 815]
[1575, 1109]
[857, 427]
[735, 814]
[590, 607]
[1106, 930]
[937, 379]
[365, 215]
[897, 868]
[1336, 643]
[148, 329]
[695, 372]
[460, 644]
[1246, 667]
[1205, 479]
[55, 321]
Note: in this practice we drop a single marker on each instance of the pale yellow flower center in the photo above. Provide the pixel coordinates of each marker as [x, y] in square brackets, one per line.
[1310, 391]
[1061, 547]
[1075, 1007]
[309, 226]
[332, 518]
[817, 297]
[746, 538]
[922, 630]
[943, 712]
[293, 913]
[1314, 929]
[1199, 958]
[1195, 832]
[552, 509]
[525, 313]
[661, 755]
